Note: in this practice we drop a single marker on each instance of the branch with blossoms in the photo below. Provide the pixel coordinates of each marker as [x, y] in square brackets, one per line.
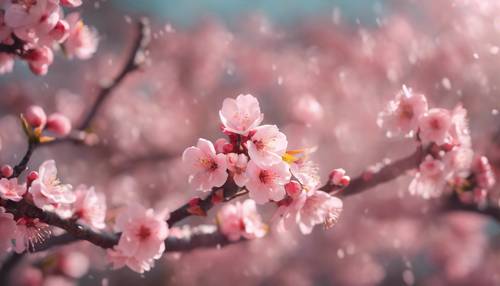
[254, 160]
[32, 30]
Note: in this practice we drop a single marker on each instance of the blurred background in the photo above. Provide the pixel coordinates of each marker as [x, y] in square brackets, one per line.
[322, 70]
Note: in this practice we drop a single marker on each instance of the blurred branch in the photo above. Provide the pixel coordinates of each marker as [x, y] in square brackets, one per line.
[453, 203]
[135, 60]
[17, 48]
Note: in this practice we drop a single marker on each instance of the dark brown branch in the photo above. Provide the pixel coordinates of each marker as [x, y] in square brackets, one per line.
[453, 203]
[17, 48]
[23, 164]
[229, 189]
[134, 61]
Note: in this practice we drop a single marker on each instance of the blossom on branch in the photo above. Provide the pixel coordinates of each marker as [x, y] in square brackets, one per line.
[142, 238]
[241, 220]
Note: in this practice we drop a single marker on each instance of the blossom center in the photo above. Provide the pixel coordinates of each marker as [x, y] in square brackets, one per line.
[406, 111]
[144, 232]
[266, 176]
[209, 164]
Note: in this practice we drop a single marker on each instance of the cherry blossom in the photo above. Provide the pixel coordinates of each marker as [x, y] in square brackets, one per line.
[241, 220]
[6, 63]
[237, 165]
[82, 41]
[267, 145]
[308, 210]
[267, 183]
[402, 113]
[35, 116]
[59, 124]
[48, 193]
[241, 115]
[141, 241]
[207, 168]
[29, 232]
[431, 178]
[435, 126]
[7, 230]
[11, 190]
[90, 207]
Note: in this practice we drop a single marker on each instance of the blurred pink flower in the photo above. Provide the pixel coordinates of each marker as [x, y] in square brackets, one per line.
[430, 180]
[82, 41]
[435, 126]
[402, 114]
[307, 109]
[241, 220]
[241, 115]
[207, 168]
[39, 59]
[267, 145]
[11, 190]
[6, 63]
[74, 264]
[142, 239]
[7, 230]
[267, 183]
[237, 165]
[90, 207]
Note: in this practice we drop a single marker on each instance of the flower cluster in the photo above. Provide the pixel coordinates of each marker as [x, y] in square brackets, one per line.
[36, 121]
[444, 135]
[45, 191]
[256, 159]
[35, 28]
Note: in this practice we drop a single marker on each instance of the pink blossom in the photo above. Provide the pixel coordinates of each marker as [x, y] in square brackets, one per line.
[430, 181]
[48, 193]
[74, 264]
[28, 233]
[484, 173]
[267, 183]
[241, 220]
[6, 63]
[90, 207]
[57, 280]
[7, 230]
[32, 20]
[11, 190]
[307, 109]
[241, 115]
[82, 41]
[267, 145]
[308, 210]
[435, 125]
[459, 130]
[237, 165]
[141, 241]
[207, 168]
[59, 124]
[402, 114]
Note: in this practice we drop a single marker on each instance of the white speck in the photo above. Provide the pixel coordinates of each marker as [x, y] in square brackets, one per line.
[494, 50]
[494, 111]
[280, 80]
[128, 19]
[169, 28]
[336, 16]
[476, 56]
[446, 83]
[408, 277]
[340, 253]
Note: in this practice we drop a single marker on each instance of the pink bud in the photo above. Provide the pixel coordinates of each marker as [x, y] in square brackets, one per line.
[59, 124]
[219, 144]
[227, 148]
[35, 116]
[39, 59]
[6, 171]
[336, 175]
[345, 181]
[293, 189]
[71, 3]
[33, 175]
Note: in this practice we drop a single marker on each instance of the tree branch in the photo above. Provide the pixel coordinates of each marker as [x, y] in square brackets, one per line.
[134, 61]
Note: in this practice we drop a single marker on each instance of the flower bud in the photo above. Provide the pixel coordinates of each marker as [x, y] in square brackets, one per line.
[219, 144]
[293, 189]
[336, 175]
[227, 148]
[345, 181]
[6, 171]
[33, 175]
[59, 124]
[35, 116]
